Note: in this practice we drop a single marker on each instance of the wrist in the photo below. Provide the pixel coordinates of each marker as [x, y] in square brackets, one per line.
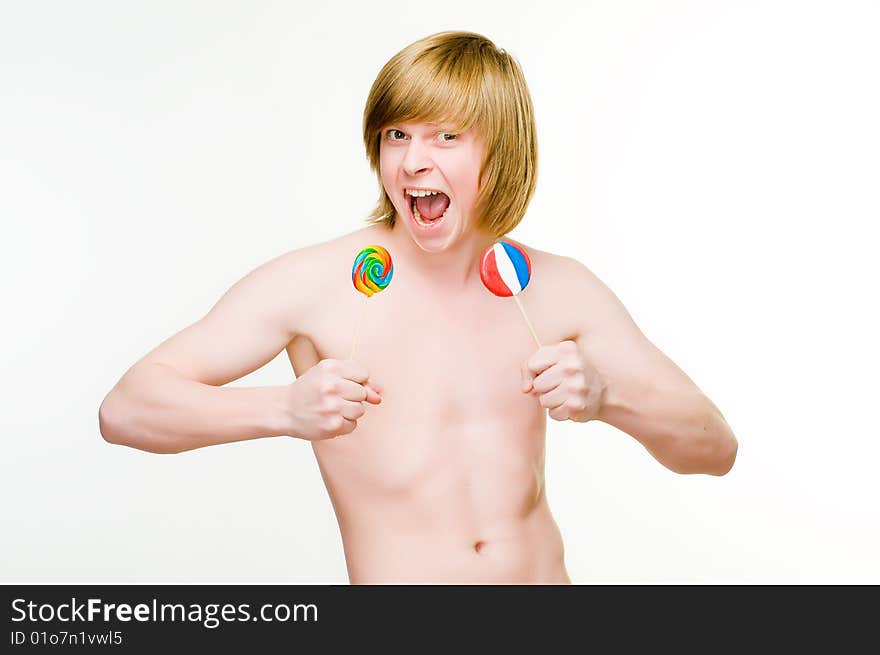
[596, 400]
[279, 412]
[598, 396]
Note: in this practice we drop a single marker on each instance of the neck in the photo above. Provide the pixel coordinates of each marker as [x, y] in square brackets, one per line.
[454, 268]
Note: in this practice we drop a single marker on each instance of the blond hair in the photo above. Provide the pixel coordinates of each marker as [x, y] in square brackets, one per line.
[463, 79]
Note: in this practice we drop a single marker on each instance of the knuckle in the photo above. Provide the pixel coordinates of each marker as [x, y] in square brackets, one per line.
[328, 386]
[333, 424]
[331, 365]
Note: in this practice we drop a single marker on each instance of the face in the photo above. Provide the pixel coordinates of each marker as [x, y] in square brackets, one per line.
[433, 157]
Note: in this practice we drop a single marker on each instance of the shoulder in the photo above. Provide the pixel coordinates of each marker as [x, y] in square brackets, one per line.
[550, 270]
[570, 291]
[312, 265]
[325, 252]
[302, 277]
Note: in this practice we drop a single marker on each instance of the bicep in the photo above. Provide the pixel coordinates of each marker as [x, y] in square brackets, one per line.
[247, 328]
[614, 344]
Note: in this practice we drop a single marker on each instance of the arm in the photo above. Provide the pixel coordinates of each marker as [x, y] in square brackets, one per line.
[172, 400]
[155, 408]
[645, 394]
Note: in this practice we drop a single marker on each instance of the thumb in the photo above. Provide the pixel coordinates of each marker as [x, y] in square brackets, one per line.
[527, 378]
[373, 393]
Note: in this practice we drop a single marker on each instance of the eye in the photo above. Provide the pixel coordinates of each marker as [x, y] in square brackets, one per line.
[392, 132]
[449, 134]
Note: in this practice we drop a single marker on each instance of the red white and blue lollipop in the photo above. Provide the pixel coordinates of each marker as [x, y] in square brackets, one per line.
[505, 269]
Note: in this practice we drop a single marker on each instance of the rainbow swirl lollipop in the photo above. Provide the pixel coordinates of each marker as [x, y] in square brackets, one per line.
[372, 270]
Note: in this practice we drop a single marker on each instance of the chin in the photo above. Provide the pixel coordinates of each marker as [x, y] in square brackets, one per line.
[435, 243]
[432, 238]
[432, 247]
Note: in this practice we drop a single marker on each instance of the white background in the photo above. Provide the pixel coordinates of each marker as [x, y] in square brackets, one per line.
[715, 163]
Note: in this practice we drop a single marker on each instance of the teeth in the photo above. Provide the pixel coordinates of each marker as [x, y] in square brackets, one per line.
[419, 193]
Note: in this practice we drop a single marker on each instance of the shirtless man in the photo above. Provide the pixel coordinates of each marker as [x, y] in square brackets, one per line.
[431, 441]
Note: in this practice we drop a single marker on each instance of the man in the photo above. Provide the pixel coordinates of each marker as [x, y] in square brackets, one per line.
[431, 441]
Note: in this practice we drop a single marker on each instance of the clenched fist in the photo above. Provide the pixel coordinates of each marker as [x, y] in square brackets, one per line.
[328, 399]
[564, 381]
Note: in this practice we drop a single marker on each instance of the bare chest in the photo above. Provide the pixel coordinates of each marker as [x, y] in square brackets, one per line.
[449, 361]
[450, 377]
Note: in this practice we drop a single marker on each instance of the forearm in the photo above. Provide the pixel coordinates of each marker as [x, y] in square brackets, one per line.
[680, 427]
[154, 408]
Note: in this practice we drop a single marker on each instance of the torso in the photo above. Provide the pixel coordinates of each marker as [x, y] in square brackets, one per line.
[443, 482]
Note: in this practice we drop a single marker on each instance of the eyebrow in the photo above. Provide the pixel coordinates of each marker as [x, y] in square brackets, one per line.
[430, 124]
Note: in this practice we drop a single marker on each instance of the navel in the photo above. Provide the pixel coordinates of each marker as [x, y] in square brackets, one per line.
[478, 546]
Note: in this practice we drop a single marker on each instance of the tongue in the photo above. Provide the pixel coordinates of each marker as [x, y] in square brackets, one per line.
[432, 207]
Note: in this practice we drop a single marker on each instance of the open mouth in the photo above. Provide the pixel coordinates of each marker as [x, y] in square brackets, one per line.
[428, 211]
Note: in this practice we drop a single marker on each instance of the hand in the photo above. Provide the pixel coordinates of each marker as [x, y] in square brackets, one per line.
[327, 400]
[565, 382]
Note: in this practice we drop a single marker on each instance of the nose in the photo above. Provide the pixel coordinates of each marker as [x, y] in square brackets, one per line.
[416, 161]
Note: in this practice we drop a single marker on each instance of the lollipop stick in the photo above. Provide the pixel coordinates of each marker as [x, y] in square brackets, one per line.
[528, 322]
[357, 327]
[547, 472]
